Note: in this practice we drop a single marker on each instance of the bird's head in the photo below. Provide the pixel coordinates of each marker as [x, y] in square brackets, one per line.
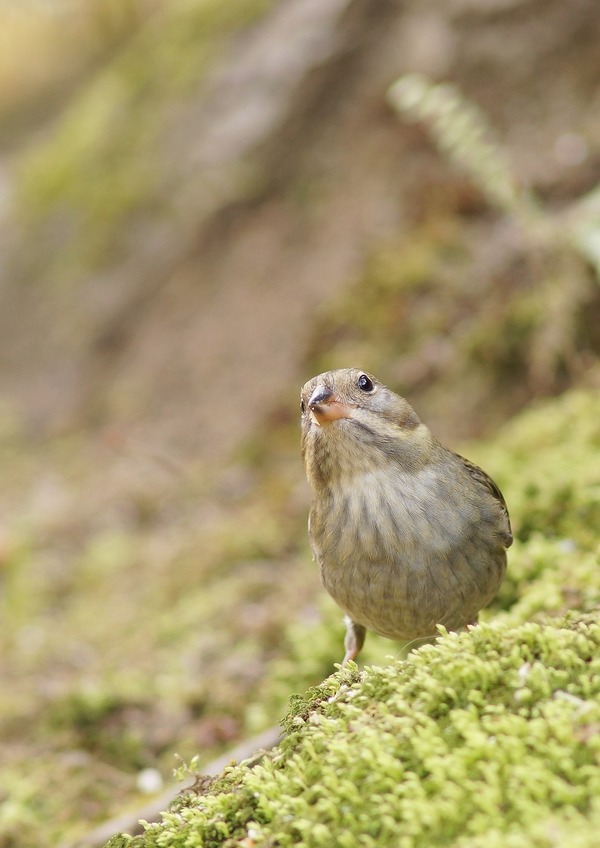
[349, 411]
[354, 395]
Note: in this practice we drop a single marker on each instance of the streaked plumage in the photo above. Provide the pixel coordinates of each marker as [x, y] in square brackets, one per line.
[407, 533]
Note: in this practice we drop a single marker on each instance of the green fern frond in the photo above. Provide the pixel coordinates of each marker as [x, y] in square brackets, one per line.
[462, 132]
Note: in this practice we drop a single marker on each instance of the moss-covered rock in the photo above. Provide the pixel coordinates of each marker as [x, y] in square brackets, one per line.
[488, 735]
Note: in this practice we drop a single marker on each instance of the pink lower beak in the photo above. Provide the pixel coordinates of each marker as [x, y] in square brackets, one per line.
[326, 407]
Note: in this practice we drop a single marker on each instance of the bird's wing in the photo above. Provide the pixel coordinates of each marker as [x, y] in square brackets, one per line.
[484, 479]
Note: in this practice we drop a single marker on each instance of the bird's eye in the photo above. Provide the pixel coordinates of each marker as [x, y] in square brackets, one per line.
[364, 383]
[302, 406]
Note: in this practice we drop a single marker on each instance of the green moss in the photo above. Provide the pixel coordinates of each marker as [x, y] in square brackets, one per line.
[488, 733]
[546, 463]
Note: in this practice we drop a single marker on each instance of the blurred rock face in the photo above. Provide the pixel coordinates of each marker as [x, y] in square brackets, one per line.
[193, 244]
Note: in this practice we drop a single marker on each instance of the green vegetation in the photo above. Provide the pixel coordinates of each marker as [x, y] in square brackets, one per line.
[462, 132]
[489, 737]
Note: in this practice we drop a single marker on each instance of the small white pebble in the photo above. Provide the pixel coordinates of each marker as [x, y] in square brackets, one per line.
[523, 673]
[523, 695]
[149, 781]
[561, 695]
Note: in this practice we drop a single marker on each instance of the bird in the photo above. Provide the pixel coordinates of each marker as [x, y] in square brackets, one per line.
[408, 535]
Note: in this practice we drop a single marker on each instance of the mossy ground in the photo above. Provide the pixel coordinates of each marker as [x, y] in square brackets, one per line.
[107, 672]
[489, 737]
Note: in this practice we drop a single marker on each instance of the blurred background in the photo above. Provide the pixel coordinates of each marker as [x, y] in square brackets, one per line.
[203, 203]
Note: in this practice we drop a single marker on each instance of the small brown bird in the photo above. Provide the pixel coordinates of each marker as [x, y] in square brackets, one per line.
[407, 534]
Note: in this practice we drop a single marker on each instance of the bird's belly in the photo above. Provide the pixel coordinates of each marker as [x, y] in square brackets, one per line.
[407, 600]
[402, 572]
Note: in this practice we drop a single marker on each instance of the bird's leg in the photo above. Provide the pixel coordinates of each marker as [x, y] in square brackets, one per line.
[355, 639]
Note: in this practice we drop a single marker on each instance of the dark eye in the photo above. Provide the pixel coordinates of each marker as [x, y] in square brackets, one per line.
[364, 383]
[302, 406]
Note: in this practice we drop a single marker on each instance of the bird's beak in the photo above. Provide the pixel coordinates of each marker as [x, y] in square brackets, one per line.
[326, 407]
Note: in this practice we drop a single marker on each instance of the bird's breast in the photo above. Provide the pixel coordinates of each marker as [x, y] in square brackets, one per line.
[398, 553]
[384, 515]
